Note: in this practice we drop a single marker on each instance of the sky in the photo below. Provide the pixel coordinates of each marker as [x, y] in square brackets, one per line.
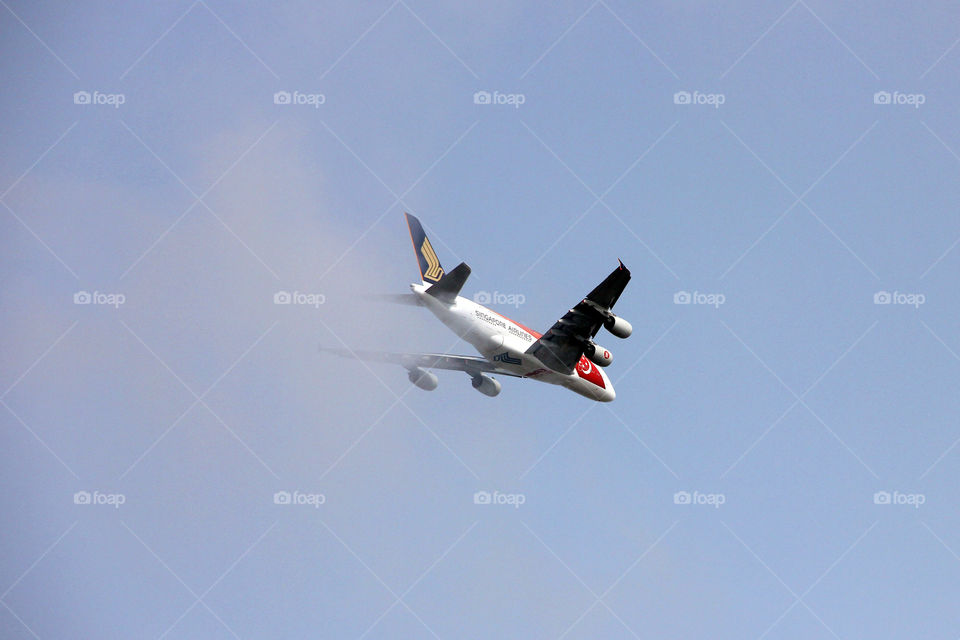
[179, 460]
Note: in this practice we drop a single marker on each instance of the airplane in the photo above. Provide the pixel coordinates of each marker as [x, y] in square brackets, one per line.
[565, 355]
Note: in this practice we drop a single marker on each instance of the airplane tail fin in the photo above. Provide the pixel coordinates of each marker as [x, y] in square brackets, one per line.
[430, 270]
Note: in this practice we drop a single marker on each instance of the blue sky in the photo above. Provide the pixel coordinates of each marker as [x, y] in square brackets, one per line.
[781, 460]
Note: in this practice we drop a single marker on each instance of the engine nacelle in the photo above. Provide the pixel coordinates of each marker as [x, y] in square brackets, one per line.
[423, 379]
[618, 326]
[598, 355]
[486, 385]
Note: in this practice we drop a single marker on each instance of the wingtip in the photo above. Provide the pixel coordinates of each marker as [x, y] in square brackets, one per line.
[343, 353]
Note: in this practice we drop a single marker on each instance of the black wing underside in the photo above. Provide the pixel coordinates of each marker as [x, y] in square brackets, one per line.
[562, 346]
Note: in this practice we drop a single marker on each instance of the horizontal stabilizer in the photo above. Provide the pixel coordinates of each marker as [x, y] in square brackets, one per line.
[450, 284]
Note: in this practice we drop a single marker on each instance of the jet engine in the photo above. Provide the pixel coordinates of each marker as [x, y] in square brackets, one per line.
[423, 379]
[618, 326]
[598, 355]
[486, 385]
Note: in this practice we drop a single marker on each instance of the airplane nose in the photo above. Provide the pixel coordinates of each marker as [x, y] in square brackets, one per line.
[609, 395]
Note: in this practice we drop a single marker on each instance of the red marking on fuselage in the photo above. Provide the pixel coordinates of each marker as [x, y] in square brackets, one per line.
[590, 372]
[535, 334]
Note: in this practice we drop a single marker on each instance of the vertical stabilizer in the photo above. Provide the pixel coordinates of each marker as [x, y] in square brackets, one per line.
[430, 269]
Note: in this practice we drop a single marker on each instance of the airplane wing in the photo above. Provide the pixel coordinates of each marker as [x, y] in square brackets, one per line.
[473, 365]
[561, 347]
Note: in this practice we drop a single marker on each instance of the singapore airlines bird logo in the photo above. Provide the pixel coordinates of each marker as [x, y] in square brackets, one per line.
[434, 270]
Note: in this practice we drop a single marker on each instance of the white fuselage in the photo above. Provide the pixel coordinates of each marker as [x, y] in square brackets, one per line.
[504, 343]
